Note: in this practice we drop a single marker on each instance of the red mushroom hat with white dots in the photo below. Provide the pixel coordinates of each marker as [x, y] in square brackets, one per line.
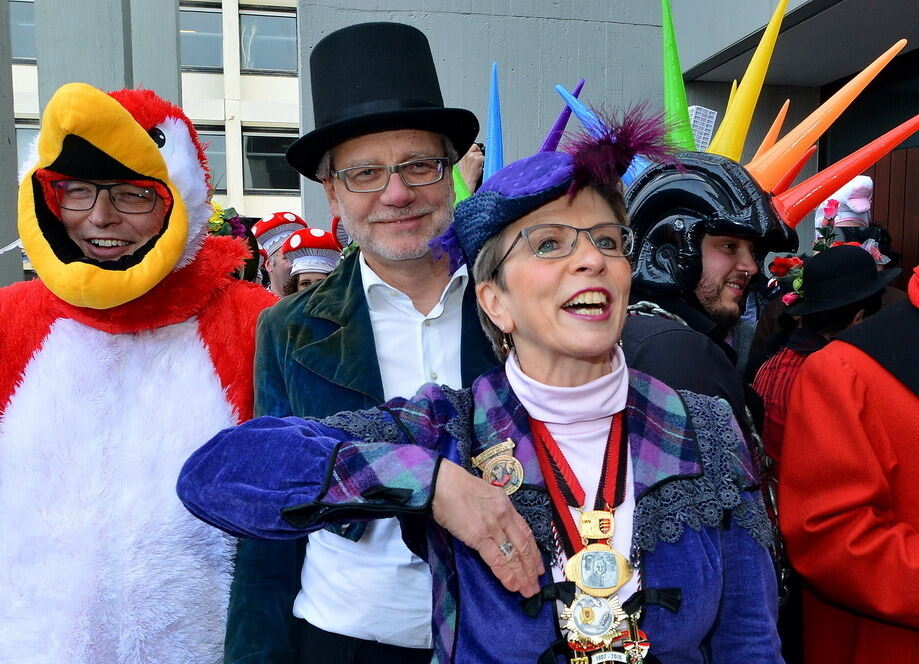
[273, 230]
[312, 250]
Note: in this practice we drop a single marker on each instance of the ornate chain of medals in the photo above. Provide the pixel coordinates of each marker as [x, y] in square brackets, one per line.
[593, 621]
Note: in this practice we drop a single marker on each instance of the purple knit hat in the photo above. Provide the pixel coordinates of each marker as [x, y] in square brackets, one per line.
[529, 183]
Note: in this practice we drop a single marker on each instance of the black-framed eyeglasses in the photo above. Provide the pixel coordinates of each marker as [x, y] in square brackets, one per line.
[559, 240]
[80, 196]
[375, 177]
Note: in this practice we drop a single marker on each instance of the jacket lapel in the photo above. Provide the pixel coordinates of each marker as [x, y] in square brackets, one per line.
[340, 300]
[476, 354]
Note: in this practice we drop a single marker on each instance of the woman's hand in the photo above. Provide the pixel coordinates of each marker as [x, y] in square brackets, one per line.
[482, 517]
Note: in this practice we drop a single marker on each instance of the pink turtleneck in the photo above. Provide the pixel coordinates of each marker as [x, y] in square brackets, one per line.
[579, 419]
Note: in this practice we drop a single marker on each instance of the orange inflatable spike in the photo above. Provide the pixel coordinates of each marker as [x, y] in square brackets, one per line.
[768, 168]
[737, 118]
[773, 134]
[800, 200]
[790, 176]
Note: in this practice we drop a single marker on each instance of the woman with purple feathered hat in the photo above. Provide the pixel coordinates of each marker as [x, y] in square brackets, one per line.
[570, 509]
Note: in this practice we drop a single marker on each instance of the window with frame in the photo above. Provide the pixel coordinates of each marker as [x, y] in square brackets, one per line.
[215, 147]
[201, 39]
[22, 30]
[25, 136]
[265, 169]
[268, 42]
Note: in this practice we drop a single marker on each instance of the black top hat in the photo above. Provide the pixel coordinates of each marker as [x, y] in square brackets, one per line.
[839, 276]
[375, 77]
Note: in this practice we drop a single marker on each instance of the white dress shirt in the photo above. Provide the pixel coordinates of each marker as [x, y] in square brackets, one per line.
[376, 589]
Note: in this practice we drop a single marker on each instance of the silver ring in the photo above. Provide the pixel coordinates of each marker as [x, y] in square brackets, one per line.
[507, 549]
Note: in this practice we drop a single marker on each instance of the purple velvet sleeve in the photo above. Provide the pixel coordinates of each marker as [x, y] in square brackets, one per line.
[274, 478]
[745, 630]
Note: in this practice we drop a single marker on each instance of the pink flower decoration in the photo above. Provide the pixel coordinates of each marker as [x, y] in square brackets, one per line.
[789, 299]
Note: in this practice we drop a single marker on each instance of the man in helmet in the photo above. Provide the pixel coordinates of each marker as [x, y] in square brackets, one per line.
[703, 230]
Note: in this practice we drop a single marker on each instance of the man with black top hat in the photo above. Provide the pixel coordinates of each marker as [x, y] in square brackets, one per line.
[390, 318]
[849, 489]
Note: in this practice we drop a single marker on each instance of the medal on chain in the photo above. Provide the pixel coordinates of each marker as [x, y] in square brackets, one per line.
[593, 620]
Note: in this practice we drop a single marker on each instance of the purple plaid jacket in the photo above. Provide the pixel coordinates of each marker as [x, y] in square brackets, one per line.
[699, 524]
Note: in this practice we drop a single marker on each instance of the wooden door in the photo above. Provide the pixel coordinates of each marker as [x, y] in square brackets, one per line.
[896, 205]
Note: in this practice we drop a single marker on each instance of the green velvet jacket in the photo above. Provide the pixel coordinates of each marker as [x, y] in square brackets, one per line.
[315, 356]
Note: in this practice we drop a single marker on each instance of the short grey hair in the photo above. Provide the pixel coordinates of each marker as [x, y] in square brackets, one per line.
[485, 265]
[324, 169]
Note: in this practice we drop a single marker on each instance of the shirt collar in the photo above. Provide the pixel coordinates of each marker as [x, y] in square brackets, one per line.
[374, 285]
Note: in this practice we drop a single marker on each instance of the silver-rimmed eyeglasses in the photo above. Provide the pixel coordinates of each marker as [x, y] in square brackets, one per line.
[559, 240]
[375, 177]
[80, 196]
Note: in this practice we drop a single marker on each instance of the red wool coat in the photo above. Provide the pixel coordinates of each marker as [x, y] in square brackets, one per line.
[849, 508]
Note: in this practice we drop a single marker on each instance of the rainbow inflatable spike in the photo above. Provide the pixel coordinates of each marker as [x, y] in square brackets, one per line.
[676, 110]
[770, 167]
[732, 134]
[799, 201]
[494, 141]
[558, 129]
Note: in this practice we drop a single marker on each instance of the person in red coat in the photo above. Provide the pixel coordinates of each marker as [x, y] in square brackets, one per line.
[841, 288]
[849, 490]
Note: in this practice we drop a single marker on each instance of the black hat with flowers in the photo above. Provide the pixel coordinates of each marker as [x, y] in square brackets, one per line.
[839, 276]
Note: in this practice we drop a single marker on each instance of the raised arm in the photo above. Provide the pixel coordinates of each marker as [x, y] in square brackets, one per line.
[277, 478]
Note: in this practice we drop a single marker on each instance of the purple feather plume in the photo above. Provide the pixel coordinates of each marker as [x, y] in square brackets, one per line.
[447, 243]
[606, 159]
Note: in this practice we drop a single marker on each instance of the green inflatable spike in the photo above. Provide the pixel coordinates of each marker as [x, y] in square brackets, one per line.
[460, 190]
[676, 111]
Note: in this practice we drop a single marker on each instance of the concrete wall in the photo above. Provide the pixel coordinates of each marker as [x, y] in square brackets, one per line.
[614, 44]
[10, 262]
[111, 44]
[705, 27]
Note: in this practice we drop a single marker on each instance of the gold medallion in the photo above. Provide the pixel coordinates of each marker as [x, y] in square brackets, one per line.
[598, 570]
[499, 467]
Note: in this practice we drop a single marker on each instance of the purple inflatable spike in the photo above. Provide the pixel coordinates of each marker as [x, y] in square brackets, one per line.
[558, 129]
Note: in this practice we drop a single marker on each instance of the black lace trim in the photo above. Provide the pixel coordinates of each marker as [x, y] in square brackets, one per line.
[372, 425]
[666, 511]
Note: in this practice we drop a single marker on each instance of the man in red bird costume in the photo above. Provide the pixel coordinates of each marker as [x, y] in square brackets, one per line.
[135, 345]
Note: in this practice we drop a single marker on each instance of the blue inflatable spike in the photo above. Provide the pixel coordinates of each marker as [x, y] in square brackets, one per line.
[494, 140]
[587, 117]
